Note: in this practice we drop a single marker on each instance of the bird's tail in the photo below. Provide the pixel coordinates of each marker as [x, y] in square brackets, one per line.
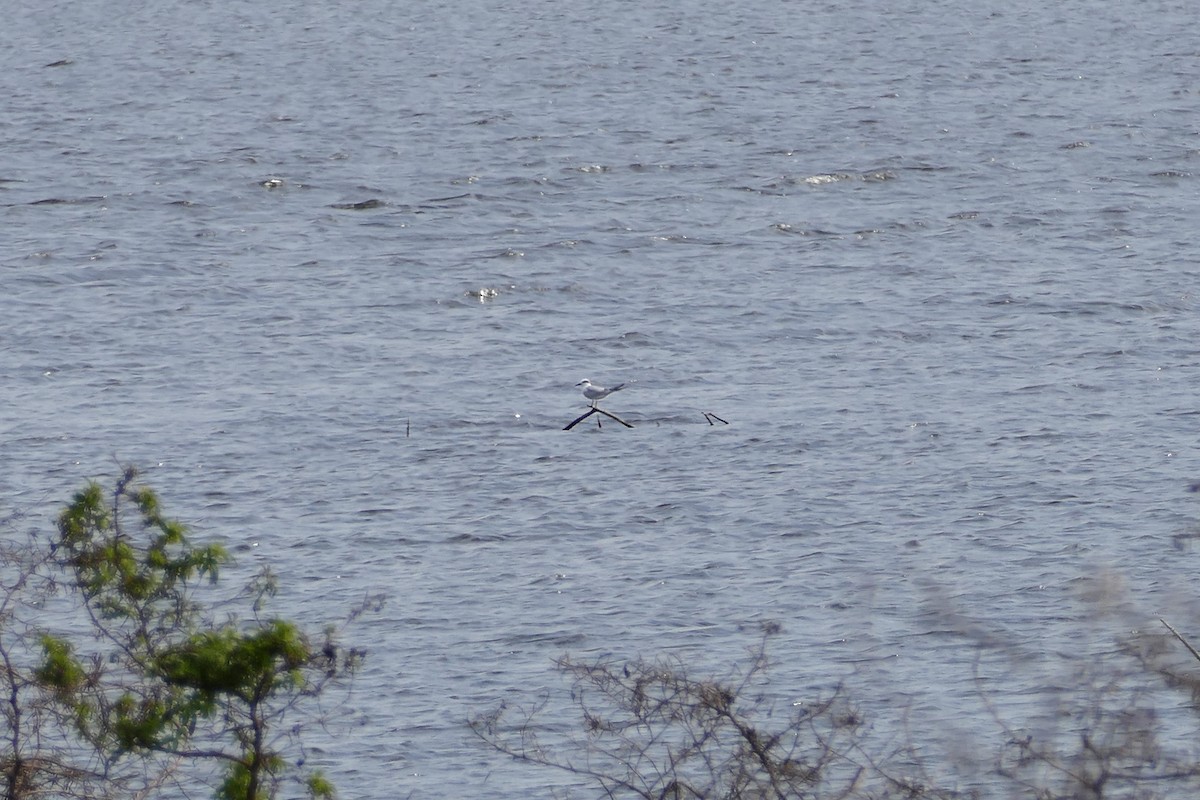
[618, 387]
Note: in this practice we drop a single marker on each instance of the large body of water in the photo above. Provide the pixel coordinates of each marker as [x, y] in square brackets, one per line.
[329, 273]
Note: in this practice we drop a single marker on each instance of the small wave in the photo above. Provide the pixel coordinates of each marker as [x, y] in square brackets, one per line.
[475, 538]
[784, 227]
[821, 180]
[826, 178]
[483, 294]
[362, 205]
[68, 201]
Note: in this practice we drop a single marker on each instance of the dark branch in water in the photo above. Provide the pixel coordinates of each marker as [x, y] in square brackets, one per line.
[1182, 640]
[594, 410]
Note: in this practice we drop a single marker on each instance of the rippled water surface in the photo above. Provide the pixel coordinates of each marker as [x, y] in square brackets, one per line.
[329, 273]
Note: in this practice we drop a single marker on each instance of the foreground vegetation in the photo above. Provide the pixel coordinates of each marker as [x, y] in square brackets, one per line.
[124, 671]
[128, 671]
[650, 730]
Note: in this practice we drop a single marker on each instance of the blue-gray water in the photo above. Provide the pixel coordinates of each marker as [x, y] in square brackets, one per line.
[932, 261]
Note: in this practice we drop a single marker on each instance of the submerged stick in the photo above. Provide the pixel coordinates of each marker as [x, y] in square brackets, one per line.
[613, 416]
[579, 419]
[708, 415]
[594, 410]
[1179, 636]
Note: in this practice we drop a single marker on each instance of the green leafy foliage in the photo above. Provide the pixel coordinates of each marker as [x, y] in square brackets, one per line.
[239, 782]
[59, 670]
[247, 665]
[142, 584]
[169, 677]
[319, 788]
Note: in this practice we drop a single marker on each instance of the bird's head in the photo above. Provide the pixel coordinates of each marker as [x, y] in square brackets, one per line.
[584, 382]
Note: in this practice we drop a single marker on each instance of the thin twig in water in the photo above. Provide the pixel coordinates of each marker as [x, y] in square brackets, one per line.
[708, 415]
[591, 411]
[1179, 636]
